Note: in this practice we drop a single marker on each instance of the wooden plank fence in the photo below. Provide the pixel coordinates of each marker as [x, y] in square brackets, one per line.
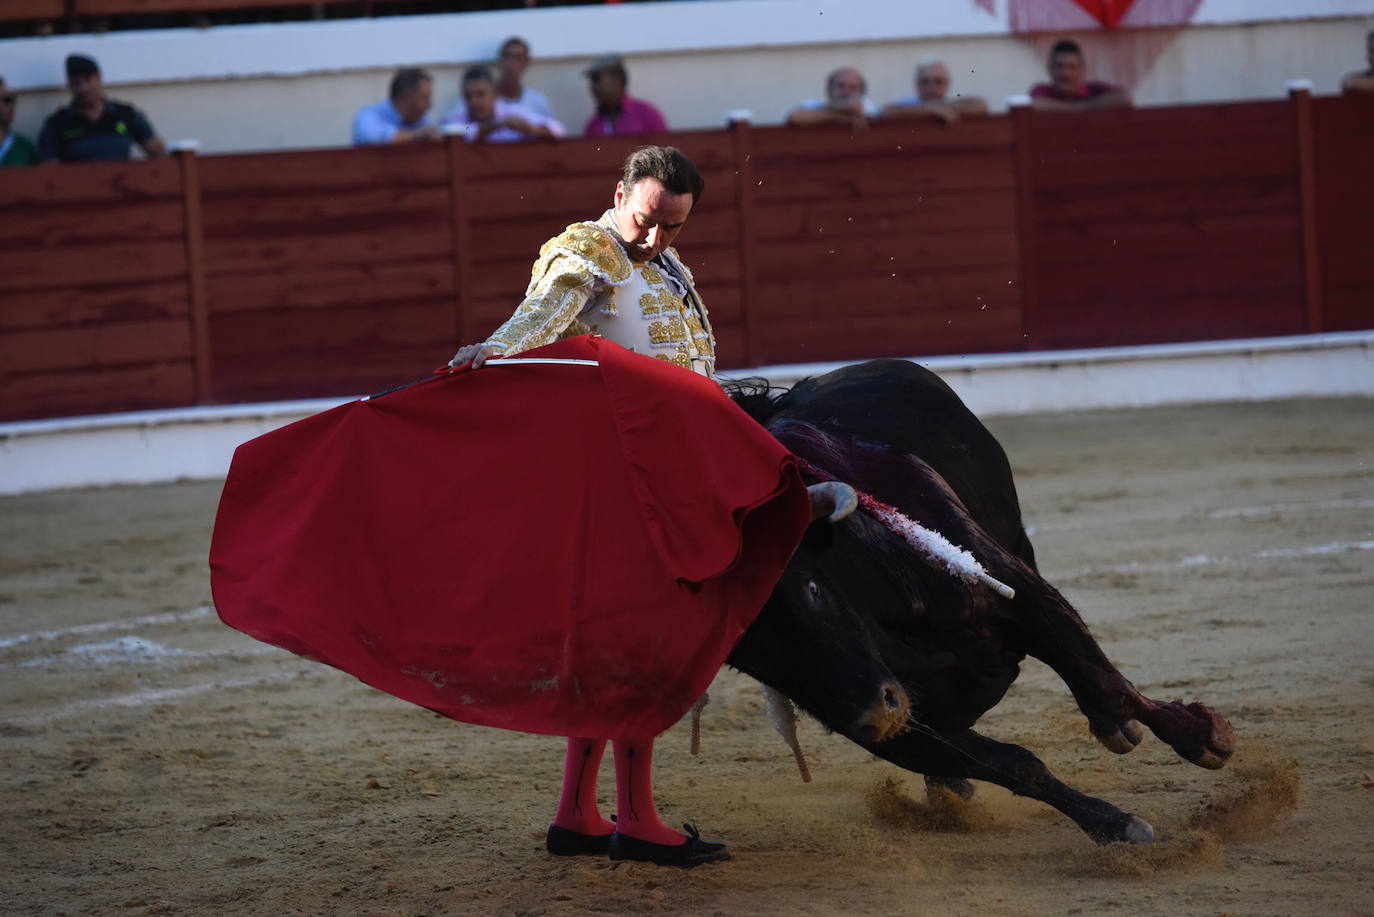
[337, 272]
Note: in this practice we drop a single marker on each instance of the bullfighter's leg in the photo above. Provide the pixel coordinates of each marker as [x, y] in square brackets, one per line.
[578, 826]
[640, 833]
[1050, 630]
[968, 754]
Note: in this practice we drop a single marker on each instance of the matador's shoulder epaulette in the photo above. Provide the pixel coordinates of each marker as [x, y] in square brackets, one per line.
[593, 245]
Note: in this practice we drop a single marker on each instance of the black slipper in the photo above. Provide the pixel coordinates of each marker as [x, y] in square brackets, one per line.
[565, 842]
[693, 852]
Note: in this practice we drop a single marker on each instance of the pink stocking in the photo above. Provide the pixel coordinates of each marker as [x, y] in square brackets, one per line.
[636, 814]
[577, 809]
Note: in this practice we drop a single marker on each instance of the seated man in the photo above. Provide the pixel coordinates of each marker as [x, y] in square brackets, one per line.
[515, 59]
[1069, 89]
[845, 102]
[1362, 80]
[487, 118]
[15, 149]
[93, 128]
[617, 112]
[932, 97]
[403, 117]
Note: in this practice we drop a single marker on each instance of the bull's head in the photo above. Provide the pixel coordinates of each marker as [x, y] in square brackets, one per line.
[812, 640]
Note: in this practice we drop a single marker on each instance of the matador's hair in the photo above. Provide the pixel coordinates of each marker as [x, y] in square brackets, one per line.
[667, 164]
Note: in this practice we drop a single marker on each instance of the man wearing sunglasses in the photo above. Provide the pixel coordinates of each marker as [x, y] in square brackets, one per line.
[15, 149]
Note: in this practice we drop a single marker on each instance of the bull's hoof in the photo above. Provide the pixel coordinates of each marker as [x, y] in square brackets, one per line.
[1120, 738]
[1138, 831]
[1132, 829]
[1220, 743]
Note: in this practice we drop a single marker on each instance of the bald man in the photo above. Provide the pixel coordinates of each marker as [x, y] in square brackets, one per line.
[932, 100]
[845, 102]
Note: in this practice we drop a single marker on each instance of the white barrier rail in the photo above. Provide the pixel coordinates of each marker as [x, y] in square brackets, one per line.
[148, 447]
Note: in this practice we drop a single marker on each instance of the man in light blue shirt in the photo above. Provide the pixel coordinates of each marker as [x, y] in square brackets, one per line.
[403, 117]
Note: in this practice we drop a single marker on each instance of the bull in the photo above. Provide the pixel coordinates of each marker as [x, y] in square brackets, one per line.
[867, 636]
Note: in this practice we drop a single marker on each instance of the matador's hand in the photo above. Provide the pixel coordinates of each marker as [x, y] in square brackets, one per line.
[476, 354]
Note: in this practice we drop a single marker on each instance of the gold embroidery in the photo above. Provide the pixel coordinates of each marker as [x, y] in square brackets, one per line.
[552, 302]
[651, 275]
[660, 302]
[590, 241]
[679, 359]
[668, 333]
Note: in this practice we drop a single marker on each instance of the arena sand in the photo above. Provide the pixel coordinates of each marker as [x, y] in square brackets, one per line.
[156, 762]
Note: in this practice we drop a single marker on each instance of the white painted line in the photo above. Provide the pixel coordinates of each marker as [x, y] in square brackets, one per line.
[135, 651]
[1244, 512]
[1316, 505]
[142, 698]
[173, 617]
[1205, 560]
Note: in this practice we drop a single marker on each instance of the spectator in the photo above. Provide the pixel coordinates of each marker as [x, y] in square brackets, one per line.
[932, 97]
[1362, 80]
[515, 60]
[402, 118]
[617, 112]
[1069, 89]
[845, 102]
[94, 128]
[487, 118]
[15, 149]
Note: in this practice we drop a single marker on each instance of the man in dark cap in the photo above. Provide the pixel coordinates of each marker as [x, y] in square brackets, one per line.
[617, 113]
[94, 128]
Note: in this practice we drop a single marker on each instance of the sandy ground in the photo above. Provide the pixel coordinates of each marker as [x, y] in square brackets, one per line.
[156, 762]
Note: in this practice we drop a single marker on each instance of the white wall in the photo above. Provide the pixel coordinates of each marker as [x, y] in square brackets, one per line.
[298, 84]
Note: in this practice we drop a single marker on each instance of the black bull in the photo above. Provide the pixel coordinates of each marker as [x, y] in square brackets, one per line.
[902, 658]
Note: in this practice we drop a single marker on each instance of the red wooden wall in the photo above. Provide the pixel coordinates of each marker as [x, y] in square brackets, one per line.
[337, 272]
[1166, 225]
[1343, 198]
[95, 315]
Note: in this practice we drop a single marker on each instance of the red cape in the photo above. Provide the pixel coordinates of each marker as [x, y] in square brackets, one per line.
[561, 549]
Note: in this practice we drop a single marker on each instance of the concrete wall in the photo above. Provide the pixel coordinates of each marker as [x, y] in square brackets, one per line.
[298, 84]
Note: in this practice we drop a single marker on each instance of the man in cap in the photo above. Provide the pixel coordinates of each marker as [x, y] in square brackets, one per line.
[617, 112]
[94, 128]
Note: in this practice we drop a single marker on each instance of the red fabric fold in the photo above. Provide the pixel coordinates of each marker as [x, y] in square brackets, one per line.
[560, 549]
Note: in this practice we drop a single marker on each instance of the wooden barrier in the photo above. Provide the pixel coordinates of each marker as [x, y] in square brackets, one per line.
[337, 272]
[1343, 205]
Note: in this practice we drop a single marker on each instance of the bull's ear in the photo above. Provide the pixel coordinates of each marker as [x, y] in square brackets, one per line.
[832, 499]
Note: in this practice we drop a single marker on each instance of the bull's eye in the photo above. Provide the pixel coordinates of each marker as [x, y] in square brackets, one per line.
[813, 590]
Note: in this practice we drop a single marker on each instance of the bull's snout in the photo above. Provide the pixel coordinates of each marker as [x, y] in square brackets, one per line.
[886, 716]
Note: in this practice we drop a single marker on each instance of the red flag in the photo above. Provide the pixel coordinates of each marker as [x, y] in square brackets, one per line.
[562, 549]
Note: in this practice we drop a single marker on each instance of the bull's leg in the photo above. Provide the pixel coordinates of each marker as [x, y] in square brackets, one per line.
[1115, 709]
[968, 754]
[1050, 630]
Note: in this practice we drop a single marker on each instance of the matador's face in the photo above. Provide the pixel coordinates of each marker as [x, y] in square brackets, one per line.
[648, 217]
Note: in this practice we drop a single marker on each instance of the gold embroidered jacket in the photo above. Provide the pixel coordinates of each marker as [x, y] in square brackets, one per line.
[584, 282]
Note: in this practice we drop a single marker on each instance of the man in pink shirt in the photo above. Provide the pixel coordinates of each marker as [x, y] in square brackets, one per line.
[617, 112]
[1069, 88]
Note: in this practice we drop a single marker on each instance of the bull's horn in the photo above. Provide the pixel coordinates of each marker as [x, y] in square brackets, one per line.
[833, 499]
